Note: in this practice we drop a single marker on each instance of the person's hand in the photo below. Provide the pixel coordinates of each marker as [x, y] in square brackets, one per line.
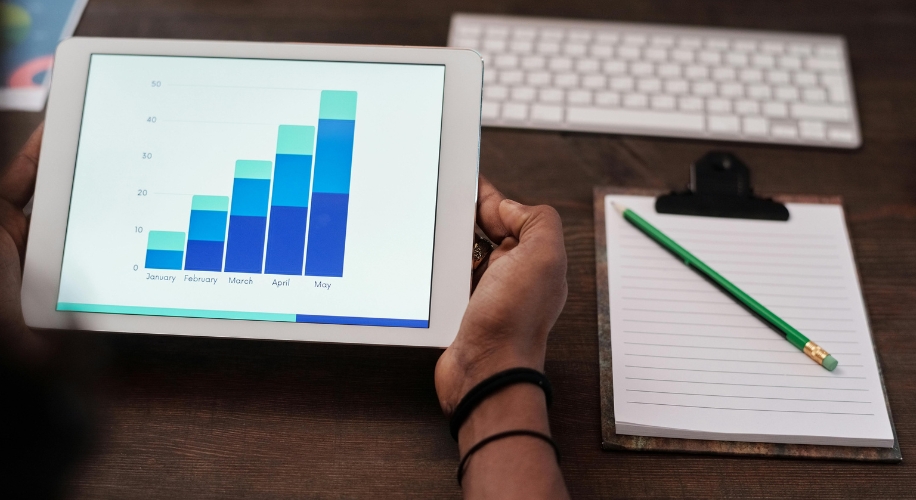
[17, 184]
[518, 298]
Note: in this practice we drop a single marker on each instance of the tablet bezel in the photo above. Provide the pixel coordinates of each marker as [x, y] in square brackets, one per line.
[455, 207]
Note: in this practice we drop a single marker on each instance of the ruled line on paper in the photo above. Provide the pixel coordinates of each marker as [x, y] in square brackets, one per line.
[755, 409]
[807, 400]
[832, 377]
[749, 385]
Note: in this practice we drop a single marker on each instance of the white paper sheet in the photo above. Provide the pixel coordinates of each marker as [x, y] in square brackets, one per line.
[689, 362]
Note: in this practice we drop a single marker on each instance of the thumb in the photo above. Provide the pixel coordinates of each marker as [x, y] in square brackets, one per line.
[515, 217]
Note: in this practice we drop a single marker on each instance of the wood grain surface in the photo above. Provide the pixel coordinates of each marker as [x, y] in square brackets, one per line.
[202, 418]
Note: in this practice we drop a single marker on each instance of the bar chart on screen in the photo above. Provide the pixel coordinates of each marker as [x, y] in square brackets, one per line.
[261, 227]
[297, 191]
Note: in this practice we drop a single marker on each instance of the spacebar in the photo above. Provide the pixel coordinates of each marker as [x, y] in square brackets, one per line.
[630, 118]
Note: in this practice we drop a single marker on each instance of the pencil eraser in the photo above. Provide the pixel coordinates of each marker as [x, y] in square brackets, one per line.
[830, 363]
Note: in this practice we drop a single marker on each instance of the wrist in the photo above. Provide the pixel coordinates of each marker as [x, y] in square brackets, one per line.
[519, 406]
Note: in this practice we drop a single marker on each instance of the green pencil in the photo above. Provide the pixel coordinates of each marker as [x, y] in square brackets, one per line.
[795, 337]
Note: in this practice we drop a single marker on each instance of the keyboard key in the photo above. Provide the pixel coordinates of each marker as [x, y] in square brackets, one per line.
[523, 94]
[615, 67]
[628, 53]
[677, 87]
[751, 76]
[622, 83]
[470, 30]
[497, 31]
[515, 111]
[776, 109]
[575, 49]
[546, 113]
[649, 85]
[551, 95]
[709, 57]
[468, 43]
[495, 93]
[602, 51]
[821, 112]
[669, 70]
[724, 124]
[635, 100]
[522, 46]
[637, 39]
[588, 65]
[607, 99]
[772, 47]
[784, 131]
[522, 33]
[607, 37]
[548, 48]
[720, 106]
[731, 89]
[704, 88]
[814, 95]
[763, 61]
[841, 135]
[534, 62]
[812, 129]
[805, 79]
[642, 68]
[580, 36]
[539, 78]
[745, 46]
[662, 41]
[756, 126]
[579, 97]
[690, 42]
[494, 45]
[838, 94]
[489, 76]
[787, 93]
[736, 59]
[552, 34]
[801, 49]
[759, 91]
[560, 64]
[594, 81]
[746, 107]
[489, 110]
[824, 64]
[789, 62]
[566, 80]
[690, 104]
[682, 55]
[697, 72]
[513, 77]
[777, 77]
[717, 43]
[724, 74]
[645, 119]
[656, 54]
[663, 102]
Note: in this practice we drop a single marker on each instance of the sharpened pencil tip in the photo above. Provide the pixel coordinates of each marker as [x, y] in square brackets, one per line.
[618, 207]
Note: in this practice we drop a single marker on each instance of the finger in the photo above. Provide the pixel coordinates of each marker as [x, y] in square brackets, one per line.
[538, 227]
[17, 182]
[488, 218]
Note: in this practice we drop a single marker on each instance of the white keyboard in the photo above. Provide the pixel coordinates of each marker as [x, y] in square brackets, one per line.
[662, 80]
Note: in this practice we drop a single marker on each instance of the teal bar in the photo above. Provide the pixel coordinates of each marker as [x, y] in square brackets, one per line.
[210, 203]
[167, 311]
[295, 140]
[337, 105]
[253, 169]
[165, 240]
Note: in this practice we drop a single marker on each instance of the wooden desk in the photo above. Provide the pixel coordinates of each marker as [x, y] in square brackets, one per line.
[207, 418]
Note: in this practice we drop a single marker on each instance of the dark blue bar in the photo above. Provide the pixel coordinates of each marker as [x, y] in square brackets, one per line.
[164, 259]
[327, 235]
[347, 320]
[204, 256]
[245, 245]
[286, 240]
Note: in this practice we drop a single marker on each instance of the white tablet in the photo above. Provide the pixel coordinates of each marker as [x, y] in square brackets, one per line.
[271, 191]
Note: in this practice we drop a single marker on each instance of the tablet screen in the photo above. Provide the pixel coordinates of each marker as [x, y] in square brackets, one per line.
[255, 189]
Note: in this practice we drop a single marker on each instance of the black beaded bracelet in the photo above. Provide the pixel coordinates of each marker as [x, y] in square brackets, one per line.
[501, 435]
[492, 384]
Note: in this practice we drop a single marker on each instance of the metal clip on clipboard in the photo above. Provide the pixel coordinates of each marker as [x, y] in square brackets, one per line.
[720, 186]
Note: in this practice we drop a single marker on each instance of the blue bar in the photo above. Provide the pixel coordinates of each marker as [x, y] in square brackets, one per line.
[348, 320]
[286, 240]
[164, 259]
[247, 225]
[288, 214]
[245, 245]
[330, 198]
[327, 235]
[206, 237]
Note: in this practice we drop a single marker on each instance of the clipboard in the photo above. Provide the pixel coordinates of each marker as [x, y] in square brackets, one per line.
[720, 187]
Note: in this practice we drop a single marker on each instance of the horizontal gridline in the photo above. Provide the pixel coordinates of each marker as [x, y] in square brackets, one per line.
[747, 385]
[725, 302]
[808, 363]
[773, 339]
[755, 409]
[744, 373]
[785, 351]
[748, 397]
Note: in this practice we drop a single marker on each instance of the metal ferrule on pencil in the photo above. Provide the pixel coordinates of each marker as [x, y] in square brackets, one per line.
[816, 352]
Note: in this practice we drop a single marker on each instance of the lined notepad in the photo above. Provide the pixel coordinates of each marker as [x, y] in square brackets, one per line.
[689, 362]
